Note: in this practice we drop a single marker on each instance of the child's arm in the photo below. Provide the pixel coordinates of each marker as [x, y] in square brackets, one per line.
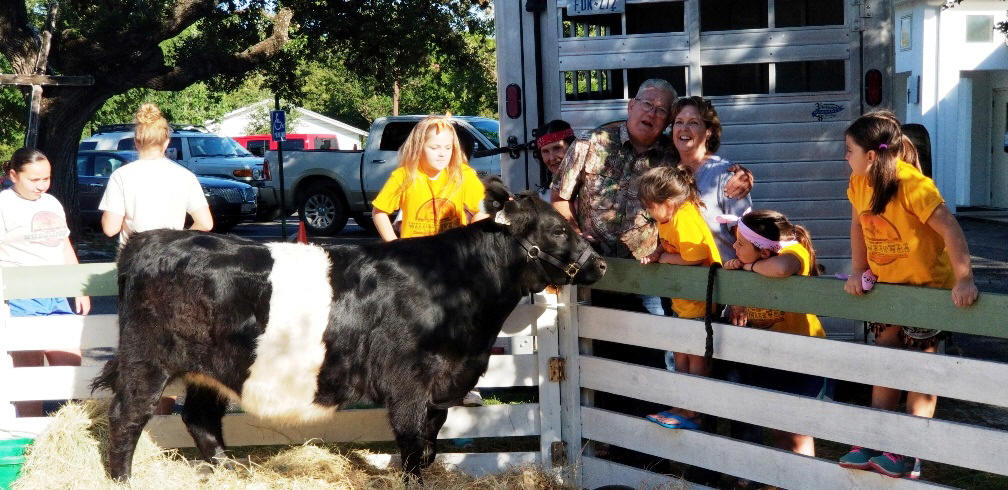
[964, 293]
[676, 259]
[859, 256]
[783, 265]
[383, 224]
[70, 257]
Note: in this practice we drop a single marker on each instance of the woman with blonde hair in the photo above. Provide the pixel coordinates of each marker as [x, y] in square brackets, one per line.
[152, 192]
[434, 186]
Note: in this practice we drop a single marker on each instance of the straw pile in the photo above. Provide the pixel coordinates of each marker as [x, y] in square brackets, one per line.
[70, 455]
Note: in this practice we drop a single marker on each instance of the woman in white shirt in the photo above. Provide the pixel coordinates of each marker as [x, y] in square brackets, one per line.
[152, 192]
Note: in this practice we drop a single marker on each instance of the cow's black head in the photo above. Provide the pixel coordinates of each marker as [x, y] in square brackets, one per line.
[554, 252]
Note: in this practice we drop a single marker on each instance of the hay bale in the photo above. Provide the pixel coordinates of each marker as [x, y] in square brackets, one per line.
[70, 455]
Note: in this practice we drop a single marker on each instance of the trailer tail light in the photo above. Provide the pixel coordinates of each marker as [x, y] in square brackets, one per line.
[267, 175]
[873, 87]
[512, 101]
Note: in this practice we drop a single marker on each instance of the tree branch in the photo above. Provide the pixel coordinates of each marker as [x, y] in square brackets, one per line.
[203, 67]
[20, 44]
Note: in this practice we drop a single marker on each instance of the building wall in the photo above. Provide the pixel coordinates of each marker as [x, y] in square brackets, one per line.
[957, 78]
[305, 123]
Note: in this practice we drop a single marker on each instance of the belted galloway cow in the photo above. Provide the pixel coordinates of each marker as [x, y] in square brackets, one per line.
[294, 332]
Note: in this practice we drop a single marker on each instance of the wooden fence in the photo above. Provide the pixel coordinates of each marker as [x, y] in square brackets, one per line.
[954, 443]
[530, 329]
[566, 329]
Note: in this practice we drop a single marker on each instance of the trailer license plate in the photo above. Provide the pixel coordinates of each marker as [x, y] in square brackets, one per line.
[596, 7]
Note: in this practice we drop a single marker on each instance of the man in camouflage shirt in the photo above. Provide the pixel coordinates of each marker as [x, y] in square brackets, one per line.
[601, 173]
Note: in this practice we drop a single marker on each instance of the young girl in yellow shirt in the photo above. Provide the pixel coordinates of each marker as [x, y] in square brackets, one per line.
[434, 186]
[770, 245]
[670, 196]
[901, 233]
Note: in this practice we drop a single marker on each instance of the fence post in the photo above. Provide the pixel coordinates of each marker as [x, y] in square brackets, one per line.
[548, 347]
[6, 361]
[570, 388]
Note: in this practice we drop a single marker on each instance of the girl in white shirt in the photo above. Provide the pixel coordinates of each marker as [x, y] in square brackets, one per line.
[33, 231]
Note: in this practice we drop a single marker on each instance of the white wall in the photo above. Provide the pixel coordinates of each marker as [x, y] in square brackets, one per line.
[304, 123]
[940, 55]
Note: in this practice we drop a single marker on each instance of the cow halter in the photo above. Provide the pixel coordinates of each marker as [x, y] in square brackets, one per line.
[536, 255]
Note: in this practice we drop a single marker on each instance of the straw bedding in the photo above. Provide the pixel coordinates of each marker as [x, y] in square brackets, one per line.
[70, 455]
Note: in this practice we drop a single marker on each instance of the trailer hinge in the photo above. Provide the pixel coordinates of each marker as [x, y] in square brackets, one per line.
[557, 369]
[558, 453]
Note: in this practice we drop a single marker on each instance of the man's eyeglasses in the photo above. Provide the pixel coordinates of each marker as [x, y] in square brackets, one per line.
[649, 107]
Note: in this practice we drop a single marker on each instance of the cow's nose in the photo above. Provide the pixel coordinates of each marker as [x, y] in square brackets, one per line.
[601, 264]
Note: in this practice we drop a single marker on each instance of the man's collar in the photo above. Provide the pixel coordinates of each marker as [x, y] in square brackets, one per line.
[624, 135]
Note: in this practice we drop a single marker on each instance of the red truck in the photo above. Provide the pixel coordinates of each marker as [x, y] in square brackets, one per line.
[257, 143]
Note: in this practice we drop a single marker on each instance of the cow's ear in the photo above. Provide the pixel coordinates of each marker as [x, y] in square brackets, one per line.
[501, 218]
[515, 215]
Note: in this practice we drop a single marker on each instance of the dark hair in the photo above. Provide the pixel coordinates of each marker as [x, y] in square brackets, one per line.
[661, 183]
[880, 132]
[775, 226]
[22, 157]
[551, 127]
[707, 114]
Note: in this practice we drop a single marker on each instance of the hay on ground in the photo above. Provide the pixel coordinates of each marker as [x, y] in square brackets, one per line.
[70, 454]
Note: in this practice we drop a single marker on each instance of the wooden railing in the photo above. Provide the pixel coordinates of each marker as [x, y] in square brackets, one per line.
[950, 442]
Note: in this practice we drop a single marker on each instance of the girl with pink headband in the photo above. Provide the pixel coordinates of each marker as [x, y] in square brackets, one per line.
[770, 245]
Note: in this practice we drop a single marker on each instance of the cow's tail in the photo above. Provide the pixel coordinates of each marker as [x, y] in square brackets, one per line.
[108, 377]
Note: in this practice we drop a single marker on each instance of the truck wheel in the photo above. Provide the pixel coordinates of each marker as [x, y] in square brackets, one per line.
[323, 211]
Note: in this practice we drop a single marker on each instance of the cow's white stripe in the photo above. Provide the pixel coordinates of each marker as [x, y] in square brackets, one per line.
[284, 376]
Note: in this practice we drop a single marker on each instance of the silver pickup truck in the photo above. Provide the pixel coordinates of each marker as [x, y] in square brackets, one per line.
[327, 187]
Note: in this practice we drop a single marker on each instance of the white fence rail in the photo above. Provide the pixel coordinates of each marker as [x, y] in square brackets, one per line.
[530, 327]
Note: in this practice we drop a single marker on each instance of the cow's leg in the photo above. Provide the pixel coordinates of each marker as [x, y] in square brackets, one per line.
[435, 419]
[202, 414]
[137, 389]
[409, 423]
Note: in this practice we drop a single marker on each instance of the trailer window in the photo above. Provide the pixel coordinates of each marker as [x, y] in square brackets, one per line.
[591, 25]
[730, 15]
[676, 75]
[648, 18]
[749, 78]
[593, 84]
[810, 76]
[800, 13]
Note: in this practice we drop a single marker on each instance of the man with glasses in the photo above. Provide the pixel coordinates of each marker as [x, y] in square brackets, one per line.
[601, 171]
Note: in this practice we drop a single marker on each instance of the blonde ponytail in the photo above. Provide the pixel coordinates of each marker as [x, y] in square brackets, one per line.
[152, 129]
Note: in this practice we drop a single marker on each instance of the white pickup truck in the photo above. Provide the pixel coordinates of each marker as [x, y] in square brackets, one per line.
[327, 187]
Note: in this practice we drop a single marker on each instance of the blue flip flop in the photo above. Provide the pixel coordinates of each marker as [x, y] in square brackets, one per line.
[673, 421]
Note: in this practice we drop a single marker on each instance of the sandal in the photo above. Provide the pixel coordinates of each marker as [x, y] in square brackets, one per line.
[671, 420]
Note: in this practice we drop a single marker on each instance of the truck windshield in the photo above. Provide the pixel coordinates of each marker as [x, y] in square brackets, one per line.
[489, 128]
[216, 147]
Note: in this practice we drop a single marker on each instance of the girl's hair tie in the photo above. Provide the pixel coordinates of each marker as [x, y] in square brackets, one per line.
[883, 146]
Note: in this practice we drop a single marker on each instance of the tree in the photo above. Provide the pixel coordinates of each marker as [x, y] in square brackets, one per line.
[393, 41]
[122, 45]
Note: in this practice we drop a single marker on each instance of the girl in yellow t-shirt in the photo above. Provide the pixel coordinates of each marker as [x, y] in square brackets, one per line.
[434, 186]
[902, 233]
[770, 245]
[670, 196]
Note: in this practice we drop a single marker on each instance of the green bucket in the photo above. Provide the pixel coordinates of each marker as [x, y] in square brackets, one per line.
[11, 460]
